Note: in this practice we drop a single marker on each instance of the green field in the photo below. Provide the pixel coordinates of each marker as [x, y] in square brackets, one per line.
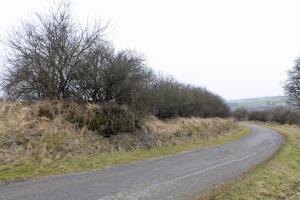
[259, 103]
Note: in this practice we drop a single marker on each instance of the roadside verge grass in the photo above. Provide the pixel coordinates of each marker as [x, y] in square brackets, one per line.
[277, 179]
[31, 169]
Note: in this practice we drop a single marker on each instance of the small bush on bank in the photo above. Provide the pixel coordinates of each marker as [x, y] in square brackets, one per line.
[105, 119]
[111, 119]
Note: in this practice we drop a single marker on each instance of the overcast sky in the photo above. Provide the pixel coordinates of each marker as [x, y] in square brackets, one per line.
[236, 48]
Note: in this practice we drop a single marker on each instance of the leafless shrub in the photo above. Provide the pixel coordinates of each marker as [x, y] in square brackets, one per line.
[241, 114]
[170, 98]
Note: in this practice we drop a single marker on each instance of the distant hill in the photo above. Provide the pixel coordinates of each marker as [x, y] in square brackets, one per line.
[260, 103]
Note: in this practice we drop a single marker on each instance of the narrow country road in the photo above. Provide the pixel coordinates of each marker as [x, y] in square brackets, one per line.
[174, 177]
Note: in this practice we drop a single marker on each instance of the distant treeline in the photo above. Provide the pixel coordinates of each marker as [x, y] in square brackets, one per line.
[54, 58]
[282, 115]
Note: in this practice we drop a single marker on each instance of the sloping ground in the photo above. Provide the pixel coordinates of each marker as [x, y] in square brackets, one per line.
[277, 179]
[260, 103]
[44, 138]
[176, 177]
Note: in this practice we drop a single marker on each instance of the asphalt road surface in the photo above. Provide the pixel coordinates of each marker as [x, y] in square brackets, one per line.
[174, 177]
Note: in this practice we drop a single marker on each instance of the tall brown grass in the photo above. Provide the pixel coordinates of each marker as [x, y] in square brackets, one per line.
[49, 131]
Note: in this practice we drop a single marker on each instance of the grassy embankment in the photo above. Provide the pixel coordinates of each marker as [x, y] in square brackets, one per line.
[277, 179]
[33, 146]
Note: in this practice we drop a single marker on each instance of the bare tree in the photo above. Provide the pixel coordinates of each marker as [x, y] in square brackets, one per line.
[44, 53]
[292, 85]
[125, 79]
[89, 75]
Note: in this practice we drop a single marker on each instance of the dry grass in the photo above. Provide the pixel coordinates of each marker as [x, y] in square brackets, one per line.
[186, 130]
[45, 133]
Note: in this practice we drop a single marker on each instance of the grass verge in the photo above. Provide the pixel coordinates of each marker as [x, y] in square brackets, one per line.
[31, 169]
[277, 179]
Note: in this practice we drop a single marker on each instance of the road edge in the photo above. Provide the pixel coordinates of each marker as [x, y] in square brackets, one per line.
[216, 189]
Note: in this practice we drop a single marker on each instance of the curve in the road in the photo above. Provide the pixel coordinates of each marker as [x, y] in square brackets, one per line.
[174, 177]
